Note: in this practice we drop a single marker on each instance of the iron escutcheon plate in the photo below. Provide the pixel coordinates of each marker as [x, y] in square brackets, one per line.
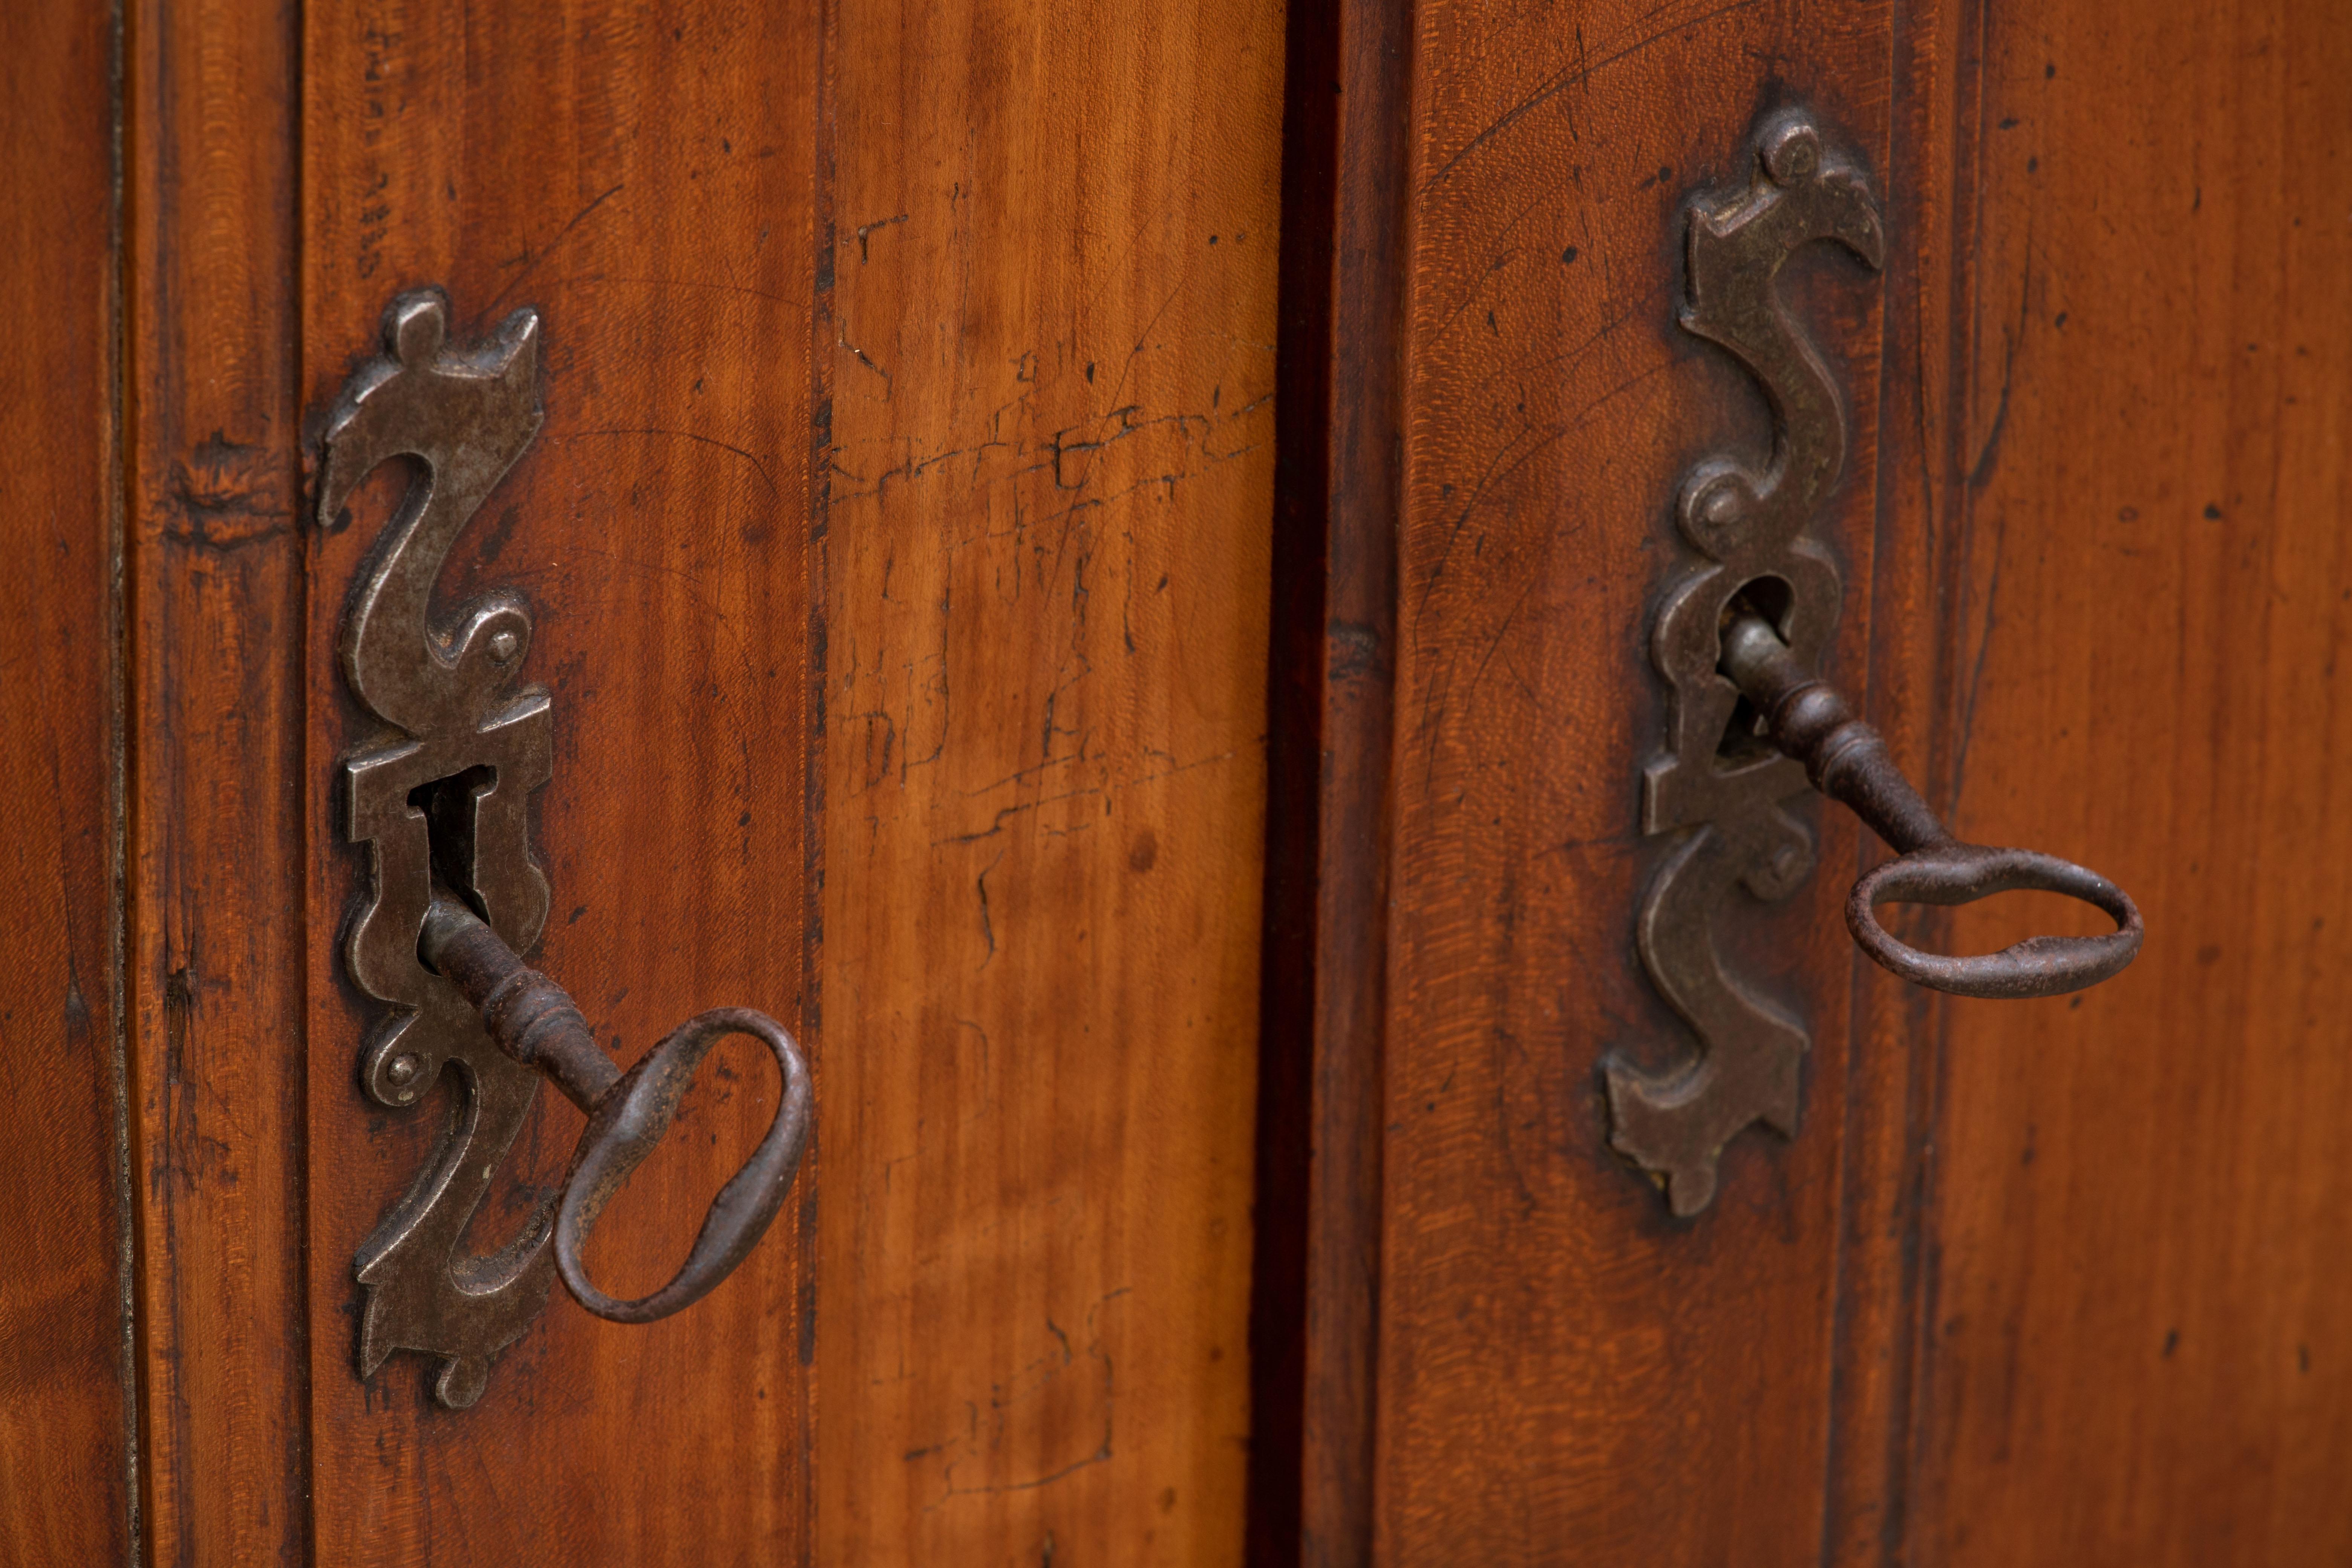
[1726, 813]
[446, 694]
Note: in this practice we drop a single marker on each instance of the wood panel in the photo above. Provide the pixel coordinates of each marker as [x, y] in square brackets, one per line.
[66, 1402]
[1562, 1368]
[1051, 346]
[646, 178]
[2141, 1347]
[215, 779]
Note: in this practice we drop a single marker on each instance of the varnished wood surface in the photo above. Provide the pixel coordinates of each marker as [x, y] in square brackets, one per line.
[217, 781]
[1887, 1128]
[647, 183]
[899, 546]
[2040, 1283]
[1069, 444]
[1561, 1368]
[1050, 345]
[2140, 1346]
[65, 1396]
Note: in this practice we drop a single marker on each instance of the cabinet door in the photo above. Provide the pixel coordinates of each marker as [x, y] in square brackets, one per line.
[65, 1393]
[2136, 1335]
[896, 546]
[2032, 1282]
[1103, 568]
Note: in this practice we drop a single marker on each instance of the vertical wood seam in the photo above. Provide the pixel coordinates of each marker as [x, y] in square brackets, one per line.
[815, 734]
[117, 463]
[1295, 746]
[1903, 364]
[1852, 1121]
[1953, 498]
[130, 433]
[305, 1369]
[1348, 95]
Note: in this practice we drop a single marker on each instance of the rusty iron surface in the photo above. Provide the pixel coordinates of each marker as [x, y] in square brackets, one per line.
[1847, 761]
[534, 1020]
[445, 690]
[1745, 524]
[439, 794]
[1751, 621]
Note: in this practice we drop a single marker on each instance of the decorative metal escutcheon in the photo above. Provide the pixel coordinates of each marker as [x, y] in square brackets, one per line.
[1736, 638]
[439, 797]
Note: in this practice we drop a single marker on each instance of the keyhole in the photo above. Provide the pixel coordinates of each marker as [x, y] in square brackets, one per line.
[452, 808]
[1745, 737]
[520, 1182]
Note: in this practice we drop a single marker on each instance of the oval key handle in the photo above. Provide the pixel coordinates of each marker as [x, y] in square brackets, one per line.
[1848, 761]
[534, 1020]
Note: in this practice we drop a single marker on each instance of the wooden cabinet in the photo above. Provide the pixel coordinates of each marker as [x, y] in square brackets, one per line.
[1101, 568]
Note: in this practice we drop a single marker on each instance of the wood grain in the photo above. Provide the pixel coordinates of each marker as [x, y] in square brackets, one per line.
[1561, 1367]
[1888, 1123]
[647, 182]
[66, 1404]
[1051, 348]
[215, 779]
[2141, 1345]
[899, 546]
